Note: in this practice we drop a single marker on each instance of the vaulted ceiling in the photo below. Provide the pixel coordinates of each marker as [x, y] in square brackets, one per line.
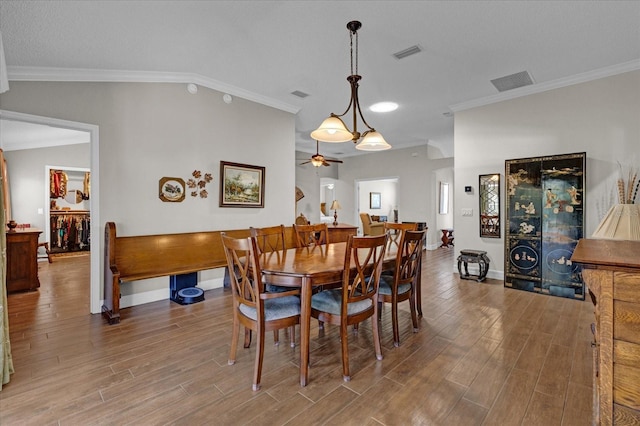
[265, 50]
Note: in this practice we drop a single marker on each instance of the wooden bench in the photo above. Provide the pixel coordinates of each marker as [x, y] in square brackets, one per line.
[141, 257]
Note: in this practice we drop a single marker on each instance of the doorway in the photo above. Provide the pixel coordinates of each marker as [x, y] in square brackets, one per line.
[92, 130]
[377, 197]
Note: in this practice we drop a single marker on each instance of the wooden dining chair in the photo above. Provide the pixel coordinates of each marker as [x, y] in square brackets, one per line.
[254, 308]
[402, 284]
[357, 299]
[311, 235]
[396, 231]
[269, 240]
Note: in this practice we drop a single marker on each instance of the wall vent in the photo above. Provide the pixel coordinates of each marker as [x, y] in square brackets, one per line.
[299, 94]
[513, 81]
[408, 52]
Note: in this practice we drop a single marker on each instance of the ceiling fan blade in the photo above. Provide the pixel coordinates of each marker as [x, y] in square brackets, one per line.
[324, 163]
[333, 161]
[305, 162]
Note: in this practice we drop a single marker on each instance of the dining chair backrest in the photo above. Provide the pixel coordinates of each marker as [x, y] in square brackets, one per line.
[269, 239]
[311, 235]
[396, 231]
[362, 268]
[408, 257]
[244, 270]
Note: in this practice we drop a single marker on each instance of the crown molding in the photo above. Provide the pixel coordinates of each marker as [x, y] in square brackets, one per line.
[17, 73]
[550, 85]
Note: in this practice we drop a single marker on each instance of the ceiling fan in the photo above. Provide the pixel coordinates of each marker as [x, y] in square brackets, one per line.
[318, 160]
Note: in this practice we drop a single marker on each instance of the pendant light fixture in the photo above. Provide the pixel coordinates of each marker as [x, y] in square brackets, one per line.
[333, 129]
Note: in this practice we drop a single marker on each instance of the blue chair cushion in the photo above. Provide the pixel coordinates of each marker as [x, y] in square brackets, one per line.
[330, 301]
[270, 288]
[386, 283]
[281, 307]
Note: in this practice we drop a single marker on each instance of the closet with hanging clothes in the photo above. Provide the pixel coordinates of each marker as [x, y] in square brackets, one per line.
[69, 215]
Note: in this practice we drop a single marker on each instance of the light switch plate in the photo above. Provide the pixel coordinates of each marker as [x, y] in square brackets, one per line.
[467, 212]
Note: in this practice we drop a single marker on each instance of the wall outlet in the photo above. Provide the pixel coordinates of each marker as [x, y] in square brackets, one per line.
[40, 211]
[467, 212]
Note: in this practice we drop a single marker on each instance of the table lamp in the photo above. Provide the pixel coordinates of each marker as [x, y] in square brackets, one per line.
[335, 206]
[622, 222]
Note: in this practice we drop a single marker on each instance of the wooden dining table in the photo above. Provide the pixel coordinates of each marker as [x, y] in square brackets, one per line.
[307, 268]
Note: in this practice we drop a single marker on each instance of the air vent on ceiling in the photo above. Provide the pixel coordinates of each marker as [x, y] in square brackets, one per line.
[513, 81]
[408, 52]
[299, 94]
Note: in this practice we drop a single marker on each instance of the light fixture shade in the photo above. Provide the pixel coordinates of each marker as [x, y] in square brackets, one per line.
[373, 141]
[622, 222]
[316, 162]
[335, 205]
[332, 130]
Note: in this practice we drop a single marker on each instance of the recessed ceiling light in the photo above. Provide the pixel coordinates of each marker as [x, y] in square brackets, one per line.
[384, 107]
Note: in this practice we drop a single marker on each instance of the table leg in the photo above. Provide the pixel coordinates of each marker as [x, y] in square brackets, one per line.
[419, 289]
[305, 325]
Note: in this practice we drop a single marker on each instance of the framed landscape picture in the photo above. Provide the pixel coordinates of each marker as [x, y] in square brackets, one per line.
[241, 185]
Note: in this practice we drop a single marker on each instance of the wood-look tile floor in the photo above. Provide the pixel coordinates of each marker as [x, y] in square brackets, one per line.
[483, 355]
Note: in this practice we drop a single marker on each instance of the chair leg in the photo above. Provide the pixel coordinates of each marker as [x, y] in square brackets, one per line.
[292, 335]
[247, 337]
[414, 315]
[394, 323]
[257, 372]
[234, 341]
[276, 337]
[345, 351]
[376, 335]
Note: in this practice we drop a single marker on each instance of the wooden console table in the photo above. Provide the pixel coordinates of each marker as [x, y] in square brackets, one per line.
[22, 259]
[340, 233]
[611, 270]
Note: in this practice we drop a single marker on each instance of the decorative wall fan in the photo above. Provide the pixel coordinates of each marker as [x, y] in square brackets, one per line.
[318, 160]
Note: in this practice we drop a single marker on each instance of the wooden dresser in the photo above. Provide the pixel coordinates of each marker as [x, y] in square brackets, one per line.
[611, 270]
[22, 259]
[340, 233]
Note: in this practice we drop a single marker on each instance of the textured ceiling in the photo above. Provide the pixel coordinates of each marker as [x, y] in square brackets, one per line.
[271, 48]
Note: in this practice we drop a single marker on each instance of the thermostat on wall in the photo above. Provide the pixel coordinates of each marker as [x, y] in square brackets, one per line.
[467, 189]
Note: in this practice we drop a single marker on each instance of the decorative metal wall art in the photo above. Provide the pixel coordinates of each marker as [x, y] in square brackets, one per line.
[198, 182]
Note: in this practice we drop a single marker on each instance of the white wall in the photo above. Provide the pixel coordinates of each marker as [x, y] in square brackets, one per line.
[601, 118]
[387, 188]
[417, 188]
[149, 131]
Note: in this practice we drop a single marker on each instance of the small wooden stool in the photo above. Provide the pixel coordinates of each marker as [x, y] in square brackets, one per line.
[46, 249]
[473, 256]
[447, 237]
